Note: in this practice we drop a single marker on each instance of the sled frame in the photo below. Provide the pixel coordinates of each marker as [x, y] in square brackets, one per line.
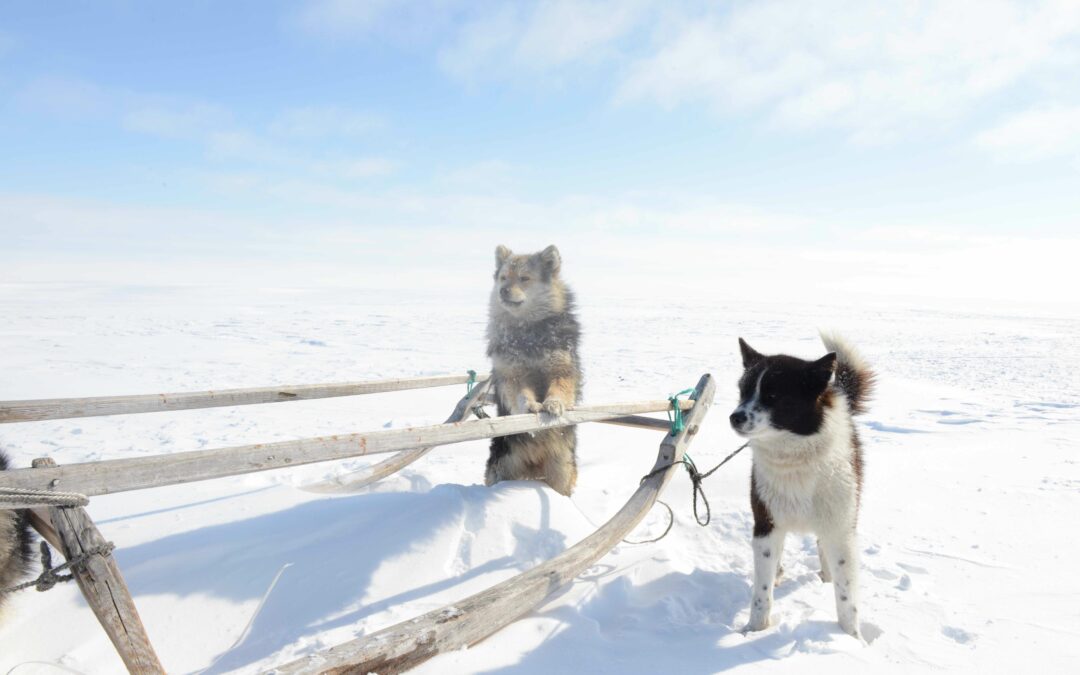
[72, 532]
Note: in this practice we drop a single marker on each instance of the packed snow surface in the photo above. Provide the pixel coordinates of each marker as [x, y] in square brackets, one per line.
[967, 530]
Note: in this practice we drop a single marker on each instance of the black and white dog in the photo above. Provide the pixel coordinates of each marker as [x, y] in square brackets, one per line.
[807, 467]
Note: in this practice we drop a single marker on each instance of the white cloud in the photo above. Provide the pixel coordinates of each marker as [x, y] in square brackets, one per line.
[540, 38]
[485, 175]
[342, 17]
[346, 20]
[287, 140]
[65, 97]
[359, 168]
[875, 70]
[325, 121]
[1036, 134]
[179, 120]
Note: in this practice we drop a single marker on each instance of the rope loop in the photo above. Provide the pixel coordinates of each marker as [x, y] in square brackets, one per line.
[697, 492]
[471, 383]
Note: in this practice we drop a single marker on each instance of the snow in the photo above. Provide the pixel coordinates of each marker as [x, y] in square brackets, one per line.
[973, 479]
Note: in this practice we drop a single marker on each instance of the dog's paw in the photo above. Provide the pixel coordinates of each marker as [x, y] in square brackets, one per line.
[755, 626]
[852, 629]
[554, 407]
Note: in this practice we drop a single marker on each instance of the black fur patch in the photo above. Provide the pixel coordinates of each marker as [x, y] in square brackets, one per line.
[857, 466]
[794, 391]
[763, 522]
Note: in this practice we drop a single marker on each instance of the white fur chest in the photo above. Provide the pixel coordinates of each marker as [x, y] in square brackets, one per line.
[789, 492]
[808, 488]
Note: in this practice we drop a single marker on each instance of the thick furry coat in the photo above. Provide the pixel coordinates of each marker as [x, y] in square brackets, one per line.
[808, 466]
[533, 337]
[15, 542]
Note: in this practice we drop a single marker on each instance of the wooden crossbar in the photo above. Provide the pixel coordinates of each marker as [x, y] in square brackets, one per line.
[121, 475]
[370, 474]
[64, 408]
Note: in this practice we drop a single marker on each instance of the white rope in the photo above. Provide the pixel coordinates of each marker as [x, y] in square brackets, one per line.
[22, 498]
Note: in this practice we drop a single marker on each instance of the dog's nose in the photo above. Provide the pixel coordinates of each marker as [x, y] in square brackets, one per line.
[504, 293]
[738, 418]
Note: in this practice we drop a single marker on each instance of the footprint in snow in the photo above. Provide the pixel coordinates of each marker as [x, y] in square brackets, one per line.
[958, 635]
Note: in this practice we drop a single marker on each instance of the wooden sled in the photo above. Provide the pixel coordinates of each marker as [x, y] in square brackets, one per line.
[71, 531]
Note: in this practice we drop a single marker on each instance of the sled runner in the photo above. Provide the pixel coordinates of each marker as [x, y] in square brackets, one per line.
[54, 496]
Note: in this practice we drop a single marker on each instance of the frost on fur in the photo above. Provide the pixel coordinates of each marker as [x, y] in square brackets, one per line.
[533, 336]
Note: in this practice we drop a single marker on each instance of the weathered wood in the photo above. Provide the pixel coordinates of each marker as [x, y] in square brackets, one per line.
[120, 475]
[370, 474]
[63, 408]
[40, 520]
[636, 421]
[640, 422]
[407, 644]
[103, 587]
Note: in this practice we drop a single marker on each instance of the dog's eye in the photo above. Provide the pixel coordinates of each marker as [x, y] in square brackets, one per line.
[526, 280]
[769, 396]
[502, 278]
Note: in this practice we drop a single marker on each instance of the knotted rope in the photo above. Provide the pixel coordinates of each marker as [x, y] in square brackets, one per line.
[49, 577]
[675, 415]
[696, 477]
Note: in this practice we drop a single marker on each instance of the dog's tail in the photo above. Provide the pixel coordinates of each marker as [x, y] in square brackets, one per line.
[853, 376]
[16, 542]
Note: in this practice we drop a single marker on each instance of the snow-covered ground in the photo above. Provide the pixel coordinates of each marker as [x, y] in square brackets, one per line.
[973, 482]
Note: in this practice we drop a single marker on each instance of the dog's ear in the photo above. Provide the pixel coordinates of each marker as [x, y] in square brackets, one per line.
[749, 356]
[821, 371]
[551, 260]
[501, 254]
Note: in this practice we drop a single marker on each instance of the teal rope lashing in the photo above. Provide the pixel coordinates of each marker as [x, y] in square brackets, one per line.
[471, 383]
[675, 415]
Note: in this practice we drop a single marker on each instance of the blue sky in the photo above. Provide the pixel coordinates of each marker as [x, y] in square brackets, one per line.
[931, 145]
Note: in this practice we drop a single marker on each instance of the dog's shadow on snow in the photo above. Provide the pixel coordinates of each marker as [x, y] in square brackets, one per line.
[326, 552]
[685, 623]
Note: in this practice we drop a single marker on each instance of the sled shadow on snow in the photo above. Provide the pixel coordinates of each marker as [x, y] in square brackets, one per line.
[327, 553]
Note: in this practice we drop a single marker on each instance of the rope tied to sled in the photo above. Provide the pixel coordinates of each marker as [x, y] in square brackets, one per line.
[697, 492]
[22, 498]
[49, 577]
[675, 415]
[471, 382]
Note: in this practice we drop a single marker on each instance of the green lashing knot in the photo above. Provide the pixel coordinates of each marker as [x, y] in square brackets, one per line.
[675, 415]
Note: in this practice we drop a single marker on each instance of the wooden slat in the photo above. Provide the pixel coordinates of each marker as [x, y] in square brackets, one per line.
[121, 475]
[103, 587]
[640, 422]
[370, 474]
[40, 520]
[407, 644]
[63, 408]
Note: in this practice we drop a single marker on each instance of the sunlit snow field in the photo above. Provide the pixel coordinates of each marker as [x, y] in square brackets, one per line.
[972, 487]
